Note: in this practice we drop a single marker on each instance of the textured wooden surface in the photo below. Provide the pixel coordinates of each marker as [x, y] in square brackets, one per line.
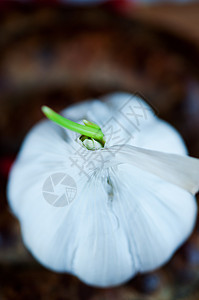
[57, 57]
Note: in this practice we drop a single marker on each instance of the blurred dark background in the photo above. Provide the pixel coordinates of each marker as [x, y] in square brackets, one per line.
[57, 54]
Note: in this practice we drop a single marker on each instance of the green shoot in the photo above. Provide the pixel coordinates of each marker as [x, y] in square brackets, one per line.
[89, 129]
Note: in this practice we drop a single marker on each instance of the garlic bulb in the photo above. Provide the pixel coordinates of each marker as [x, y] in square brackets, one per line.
[105, 212]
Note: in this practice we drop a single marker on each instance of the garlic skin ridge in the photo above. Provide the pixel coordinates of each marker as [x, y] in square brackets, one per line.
[124, 219]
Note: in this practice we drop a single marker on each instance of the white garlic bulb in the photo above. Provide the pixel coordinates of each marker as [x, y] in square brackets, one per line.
[105, 213]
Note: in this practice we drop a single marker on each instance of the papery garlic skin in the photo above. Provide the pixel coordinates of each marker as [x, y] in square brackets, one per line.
[124, 219]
